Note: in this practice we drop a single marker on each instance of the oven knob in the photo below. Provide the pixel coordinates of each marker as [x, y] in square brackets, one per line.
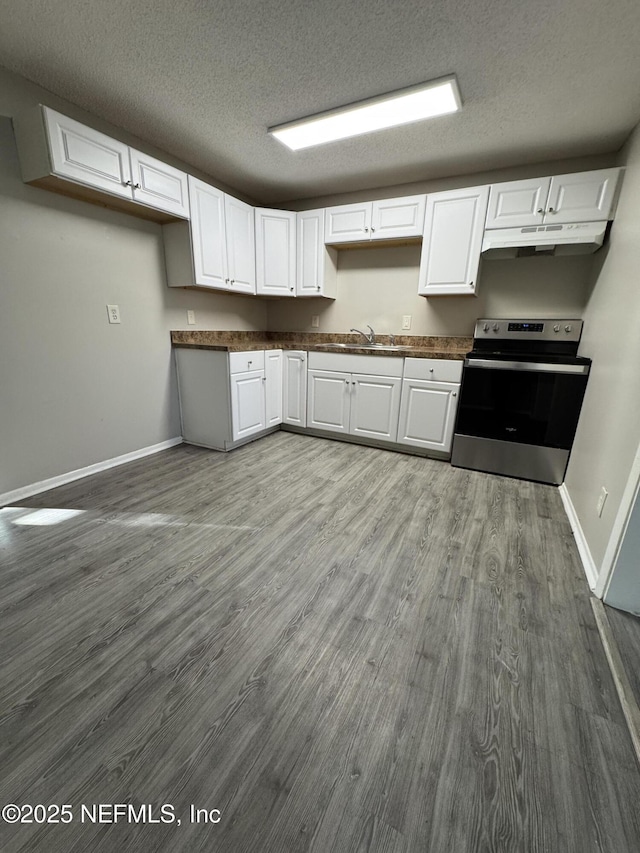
[485, 328]
[496, 327]
[567, 328]
[556, 328]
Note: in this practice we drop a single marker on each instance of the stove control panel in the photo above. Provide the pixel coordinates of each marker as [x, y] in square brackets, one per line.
[533, 330]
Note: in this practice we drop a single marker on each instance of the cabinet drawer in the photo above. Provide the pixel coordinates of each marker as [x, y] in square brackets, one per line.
[241, 362]
[433, 369]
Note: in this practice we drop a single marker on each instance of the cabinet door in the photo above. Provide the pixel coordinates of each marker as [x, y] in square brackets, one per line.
[294, 403]
[310, 227]
[275, 252]
[427, 414]
[208, 235]
[158, 185]
[454, 224]
[247, 403]
[582, 197]
[241, 246]
[514, 204]
[273, 377]
[328, 400]
[87, 156]
[375, 403]
[348, 223]
[398, 217]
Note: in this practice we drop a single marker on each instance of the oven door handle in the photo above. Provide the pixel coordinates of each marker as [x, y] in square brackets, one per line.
[528, 366]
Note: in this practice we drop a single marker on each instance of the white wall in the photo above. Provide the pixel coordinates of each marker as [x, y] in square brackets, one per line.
[75, 390]
[608, 433]
[624, 588]
[379, 286]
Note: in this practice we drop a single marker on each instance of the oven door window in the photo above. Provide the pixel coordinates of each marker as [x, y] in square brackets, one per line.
[521, 406]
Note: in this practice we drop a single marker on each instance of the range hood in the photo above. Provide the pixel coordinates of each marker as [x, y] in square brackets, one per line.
[579, 238]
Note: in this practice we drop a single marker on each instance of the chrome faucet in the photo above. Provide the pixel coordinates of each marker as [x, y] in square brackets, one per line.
[369, 338]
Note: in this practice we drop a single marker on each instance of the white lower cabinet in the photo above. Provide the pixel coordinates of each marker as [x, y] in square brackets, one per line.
[228, 398]
[294, 379]
[358, 404]
[429, 401]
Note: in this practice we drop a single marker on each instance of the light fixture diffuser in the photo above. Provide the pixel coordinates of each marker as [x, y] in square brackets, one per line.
[427, 100]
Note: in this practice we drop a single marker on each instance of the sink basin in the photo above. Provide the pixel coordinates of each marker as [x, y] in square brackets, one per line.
[367, 347]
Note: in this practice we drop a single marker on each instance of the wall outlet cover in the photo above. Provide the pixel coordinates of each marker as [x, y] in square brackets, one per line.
[114, 313]
[315, 321]
[406, 322]
[191, 318]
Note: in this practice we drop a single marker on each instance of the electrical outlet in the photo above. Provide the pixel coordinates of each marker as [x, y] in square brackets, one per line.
[114, 313]
[601, 500]
[191, 318]
[315, 321]
[406, 322]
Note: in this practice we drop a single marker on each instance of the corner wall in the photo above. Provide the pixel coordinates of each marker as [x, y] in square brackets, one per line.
[608, 433]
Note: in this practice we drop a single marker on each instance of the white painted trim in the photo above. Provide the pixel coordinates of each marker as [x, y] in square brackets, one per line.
[79, 473]
[588, 563]
[619, 527]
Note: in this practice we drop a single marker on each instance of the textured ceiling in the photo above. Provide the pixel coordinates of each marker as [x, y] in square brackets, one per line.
[202, 80]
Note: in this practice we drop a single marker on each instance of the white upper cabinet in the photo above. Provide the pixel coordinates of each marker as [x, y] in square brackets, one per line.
[159, 185]
[398, 217]
[216, 248]
[317, 263]
[241, 247]
[59, 153]
[561, 199]
[450, 259]
[208, 236]
[87, 156]
[517, 203]
[275, 252]
[386, 219]
[583, 197]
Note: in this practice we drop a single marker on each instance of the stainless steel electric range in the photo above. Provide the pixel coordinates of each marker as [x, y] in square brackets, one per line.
[522, 390]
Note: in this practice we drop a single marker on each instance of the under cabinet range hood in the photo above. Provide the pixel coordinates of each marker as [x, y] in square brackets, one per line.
[579, 238]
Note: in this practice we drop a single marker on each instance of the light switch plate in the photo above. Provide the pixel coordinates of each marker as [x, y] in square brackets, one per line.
[114, 313]
[406, 322]
[191, 318]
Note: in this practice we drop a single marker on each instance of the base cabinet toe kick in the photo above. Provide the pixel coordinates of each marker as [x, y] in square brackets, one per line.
[403, 404]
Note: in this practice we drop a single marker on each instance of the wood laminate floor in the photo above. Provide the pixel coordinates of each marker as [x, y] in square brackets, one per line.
[626, 631]
[338, 647]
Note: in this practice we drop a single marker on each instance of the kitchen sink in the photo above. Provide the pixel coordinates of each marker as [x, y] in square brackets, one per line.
[366, 347]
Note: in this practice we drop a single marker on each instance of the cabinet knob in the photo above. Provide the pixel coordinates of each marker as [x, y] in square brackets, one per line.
[366, 229]
[318, 287]
[127, 183]
[226, 281]
[372, 229]
[470, 284]
[540, 210]
[454, 394]
[551, 210]
[290, 288]
[233, 281]
[264, 378]
[431, 370]
[137, 186]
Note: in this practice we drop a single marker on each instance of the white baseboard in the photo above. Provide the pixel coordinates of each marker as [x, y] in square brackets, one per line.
[588, 563]
[79, 473]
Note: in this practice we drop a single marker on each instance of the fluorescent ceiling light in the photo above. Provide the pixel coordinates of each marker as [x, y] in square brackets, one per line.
[439, 97]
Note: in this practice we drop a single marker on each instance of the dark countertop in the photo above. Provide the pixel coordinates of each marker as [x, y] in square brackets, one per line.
[422, 346]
